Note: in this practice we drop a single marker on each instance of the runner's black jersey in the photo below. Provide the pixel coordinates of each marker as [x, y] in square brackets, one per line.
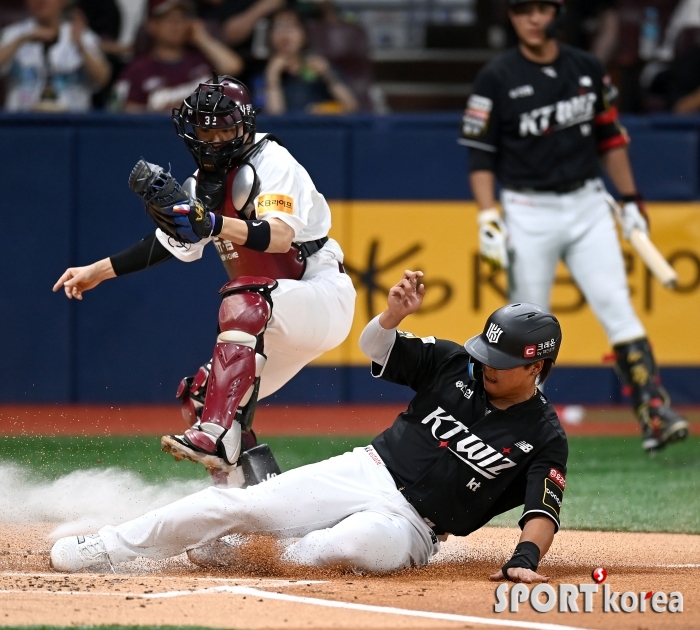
[544, 126]
[458, 460]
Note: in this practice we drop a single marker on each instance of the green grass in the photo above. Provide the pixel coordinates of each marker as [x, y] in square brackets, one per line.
[611, 483]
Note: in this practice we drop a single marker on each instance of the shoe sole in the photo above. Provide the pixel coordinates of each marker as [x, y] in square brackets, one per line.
[676, 432]
[169, 444]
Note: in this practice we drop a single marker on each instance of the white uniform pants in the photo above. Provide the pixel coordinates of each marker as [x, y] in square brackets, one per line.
[347, 510]
[579, 229]
[309, 317]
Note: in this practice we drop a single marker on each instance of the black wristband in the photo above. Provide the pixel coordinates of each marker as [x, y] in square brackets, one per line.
[146, 253]
[635, 198]
[218, 224]
[258, 235]
[526, 556]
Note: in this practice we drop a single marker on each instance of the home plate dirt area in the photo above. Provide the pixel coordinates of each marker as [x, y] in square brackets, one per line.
[452, 592]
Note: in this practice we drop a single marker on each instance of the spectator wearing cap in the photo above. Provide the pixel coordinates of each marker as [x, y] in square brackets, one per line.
[53, 63]
[297, 81]
[182, 55]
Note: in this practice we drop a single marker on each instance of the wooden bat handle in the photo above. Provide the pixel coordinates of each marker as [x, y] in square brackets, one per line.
[653, 259]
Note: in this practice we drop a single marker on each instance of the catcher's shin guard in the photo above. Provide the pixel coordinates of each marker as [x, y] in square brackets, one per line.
[636, 367]
[192, 392]
[234, 379]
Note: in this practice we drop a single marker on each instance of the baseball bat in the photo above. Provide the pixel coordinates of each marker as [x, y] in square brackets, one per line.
[647, 251]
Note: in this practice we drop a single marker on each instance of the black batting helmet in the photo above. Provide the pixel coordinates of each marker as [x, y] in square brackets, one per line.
[517, 334]
[221, 102]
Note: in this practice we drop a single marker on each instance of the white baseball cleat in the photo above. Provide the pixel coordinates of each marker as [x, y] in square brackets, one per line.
[74, 553]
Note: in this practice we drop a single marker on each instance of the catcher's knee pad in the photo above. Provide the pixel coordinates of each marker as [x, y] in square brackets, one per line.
[246, 304]
[238, 360]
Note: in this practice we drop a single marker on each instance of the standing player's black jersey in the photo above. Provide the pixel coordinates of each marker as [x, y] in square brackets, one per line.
[458, 460]
[538, 126]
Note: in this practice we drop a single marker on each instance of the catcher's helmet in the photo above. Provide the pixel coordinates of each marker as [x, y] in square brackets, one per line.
[221, 102]
[515, 335]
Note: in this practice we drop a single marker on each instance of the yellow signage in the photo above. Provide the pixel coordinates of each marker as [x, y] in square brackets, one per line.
[381, 239]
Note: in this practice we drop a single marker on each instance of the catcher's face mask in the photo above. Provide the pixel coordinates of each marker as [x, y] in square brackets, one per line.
[214, 105]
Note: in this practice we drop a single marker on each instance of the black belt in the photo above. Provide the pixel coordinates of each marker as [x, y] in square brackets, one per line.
[311, 247]
[560, 189]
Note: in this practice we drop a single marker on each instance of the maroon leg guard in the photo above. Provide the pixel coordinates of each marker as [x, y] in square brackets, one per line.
[235, 369]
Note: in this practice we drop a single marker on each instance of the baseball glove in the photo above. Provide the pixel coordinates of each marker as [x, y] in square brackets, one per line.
[165, 200]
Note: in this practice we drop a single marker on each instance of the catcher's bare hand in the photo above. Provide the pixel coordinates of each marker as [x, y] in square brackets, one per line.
[76, 280]
[405, 298]
[520, 574]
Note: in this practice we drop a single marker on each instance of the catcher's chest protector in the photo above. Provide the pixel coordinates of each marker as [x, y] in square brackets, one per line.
[241, 261]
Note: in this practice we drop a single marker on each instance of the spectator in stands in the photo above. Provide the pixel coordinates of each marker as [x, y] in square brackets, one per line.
[683, 83]
[183, 55]
[239, 18]
[297, 81]
[53, 62]
[593, 25]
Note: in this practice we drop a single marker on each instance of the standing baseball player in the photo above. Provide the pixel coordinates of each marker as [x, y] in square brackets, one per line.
[288, 299]
[477, 439]
[541, 119]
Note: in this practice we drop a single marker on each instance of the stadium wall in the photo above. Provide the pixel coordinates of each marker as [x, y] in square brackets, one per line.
[394, 183]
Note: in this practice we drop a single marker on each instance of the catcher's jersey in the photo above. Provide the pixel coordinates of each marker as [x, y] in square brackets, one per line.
[286, 193]
[457, 459]
[544, 125]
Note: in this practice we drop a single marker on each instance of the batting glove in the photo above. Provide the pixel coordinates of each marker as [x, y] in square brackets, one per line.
[493, 236]
[204, 224]
[634, 215]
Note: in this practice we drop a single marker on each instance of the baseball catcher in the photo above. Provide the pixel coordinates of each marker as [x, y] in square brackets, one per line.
[288, 299]
[477, 439]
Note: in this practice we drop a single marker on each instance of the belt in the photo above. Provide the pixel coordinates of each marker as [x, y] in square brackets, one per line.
[311, 247]
[560, 189]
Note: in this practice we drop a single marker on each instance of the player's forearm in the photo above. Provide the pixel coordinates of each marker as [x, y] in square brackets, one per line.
[539, 530]
[483, 185]
[238, 231]
[376, 341]
[104, 269]
[617, 165]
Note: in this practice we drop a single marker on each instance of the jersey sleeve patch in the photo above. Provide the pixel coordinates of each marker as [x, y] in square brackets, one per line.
[558, 478]
[553, 496]
[476, 116]
[274, 202]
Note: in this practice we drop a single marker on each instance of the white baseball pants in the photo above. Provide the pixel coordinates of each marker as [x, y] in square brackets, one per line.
[579, 229]
[347, 510]
[309, 317]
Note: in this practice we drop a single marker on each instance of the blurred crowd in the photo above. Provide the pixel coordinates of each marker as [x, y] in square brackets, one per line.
[146, 55]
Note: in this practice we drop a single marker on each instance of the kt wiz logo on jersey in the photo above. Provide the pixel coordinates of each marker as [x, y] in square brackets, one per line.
[567, 113]
[470, 449]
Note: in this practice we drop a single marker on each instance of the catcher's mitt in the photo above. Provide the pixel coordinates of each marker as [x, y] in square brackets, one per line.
[165, 200]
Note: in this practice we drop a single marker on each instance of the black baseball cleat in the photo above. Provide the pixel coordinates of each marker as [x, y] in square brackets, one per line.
[661, 425]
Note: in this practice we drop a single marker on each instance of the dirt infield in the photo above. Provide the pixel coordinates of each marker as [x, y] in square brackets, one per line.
[452, 592]
[86, 420]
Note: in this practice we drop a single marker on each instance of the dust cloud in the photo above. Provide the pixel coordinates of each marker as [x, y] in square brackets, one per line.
[84, 500]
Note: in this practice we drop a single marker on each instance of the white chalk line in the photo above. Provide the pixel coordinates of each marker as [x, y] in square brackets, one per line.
[254, 592]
